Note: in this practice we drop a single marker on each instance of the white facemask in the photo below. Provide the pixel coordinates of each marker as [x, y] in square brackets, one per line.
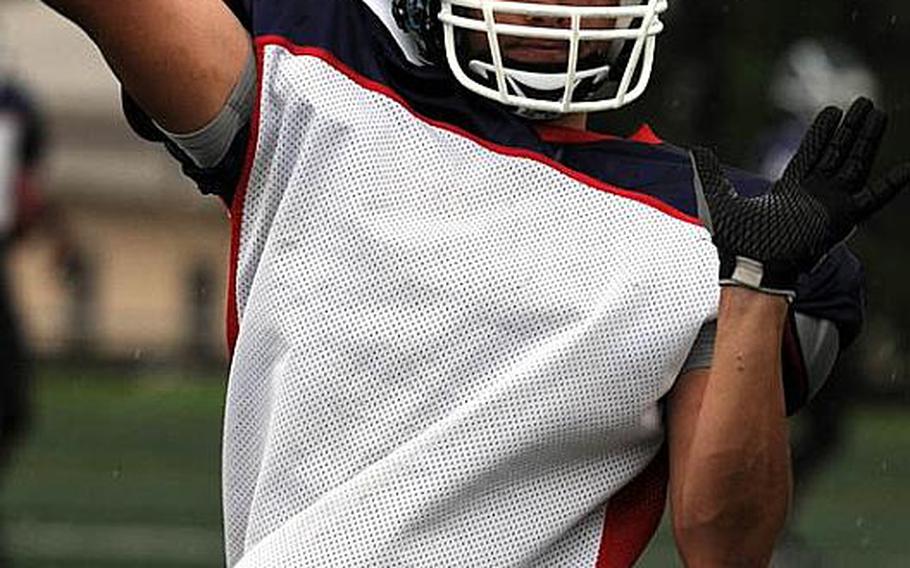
[577, 88]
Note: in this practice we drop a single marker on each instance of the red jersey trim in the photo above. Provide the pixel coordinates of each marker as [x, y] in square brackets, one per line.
[633, 515]
[562, 135]
[371, 85]
[232, 327]
[236, 208]
[634, 512]
[646, 135]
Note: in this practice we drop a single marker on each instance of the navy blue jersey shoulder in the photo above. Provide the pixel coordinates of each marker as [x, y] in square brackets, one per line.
[356, 37]
[660, 171]
[15, 100]
[834, 290]
[353, 35]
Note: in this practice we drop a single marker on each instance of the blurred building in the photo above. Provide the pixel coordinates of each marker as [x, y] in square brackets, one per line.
[147, 276]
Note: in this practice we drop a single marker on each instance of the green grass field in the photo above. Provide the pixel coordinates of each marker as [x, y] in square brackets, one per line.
[123, 471]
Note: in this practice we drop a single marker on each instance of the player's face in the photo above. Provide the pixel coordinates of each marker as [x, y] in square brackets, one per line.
[536, 52]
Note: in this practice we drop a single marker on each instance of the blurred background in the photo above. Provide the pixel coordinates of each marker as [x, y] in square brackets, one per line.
[119, 289]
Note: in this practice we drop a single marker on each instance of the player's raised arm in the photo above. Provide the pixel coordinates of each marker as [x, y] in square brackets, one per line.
[730, 477]
[179, 59]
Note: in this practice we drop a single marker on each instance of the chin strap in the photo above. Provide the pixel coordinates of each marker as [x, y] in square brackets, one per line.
[537, 84]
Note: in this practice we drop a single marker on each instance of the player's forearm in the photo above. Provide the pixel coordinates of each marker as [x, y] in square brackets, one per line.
[178, 59]
[734, 498]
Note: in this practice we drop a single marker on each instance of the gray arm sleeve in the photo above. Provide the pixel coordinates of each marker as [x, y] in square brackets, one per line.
[210, 144]
[818, 340]
[820, 344]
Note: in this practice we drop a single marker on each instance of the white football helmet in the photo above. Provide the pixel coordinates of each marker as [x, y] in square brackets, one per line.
[814, 73]
[544, 57]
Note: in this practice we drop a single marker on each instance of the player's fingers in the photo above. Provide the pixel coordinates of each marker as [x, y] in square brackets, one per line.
[842, 142]
[859, 163]
[882, 191]
[813, 145]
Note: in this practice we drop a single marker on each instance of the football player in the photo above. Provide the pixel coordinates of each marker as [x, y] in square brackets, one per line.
[21, 146]
[465, 330]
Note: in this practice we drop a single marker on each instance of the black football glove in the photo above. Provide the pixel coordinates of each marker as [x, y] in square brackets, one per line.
[765, 242]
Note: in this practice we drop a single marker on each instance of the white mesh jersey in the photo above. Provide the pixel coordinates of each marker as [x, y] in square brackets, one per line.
[447, 353]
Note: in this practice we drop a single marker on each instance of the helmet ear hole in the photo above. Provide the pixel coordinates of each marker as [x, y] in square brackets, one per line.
[420, 19]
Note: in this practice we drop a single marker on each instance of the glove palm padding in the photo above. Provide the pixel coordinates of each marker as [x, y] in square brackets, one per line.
[765, 242]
